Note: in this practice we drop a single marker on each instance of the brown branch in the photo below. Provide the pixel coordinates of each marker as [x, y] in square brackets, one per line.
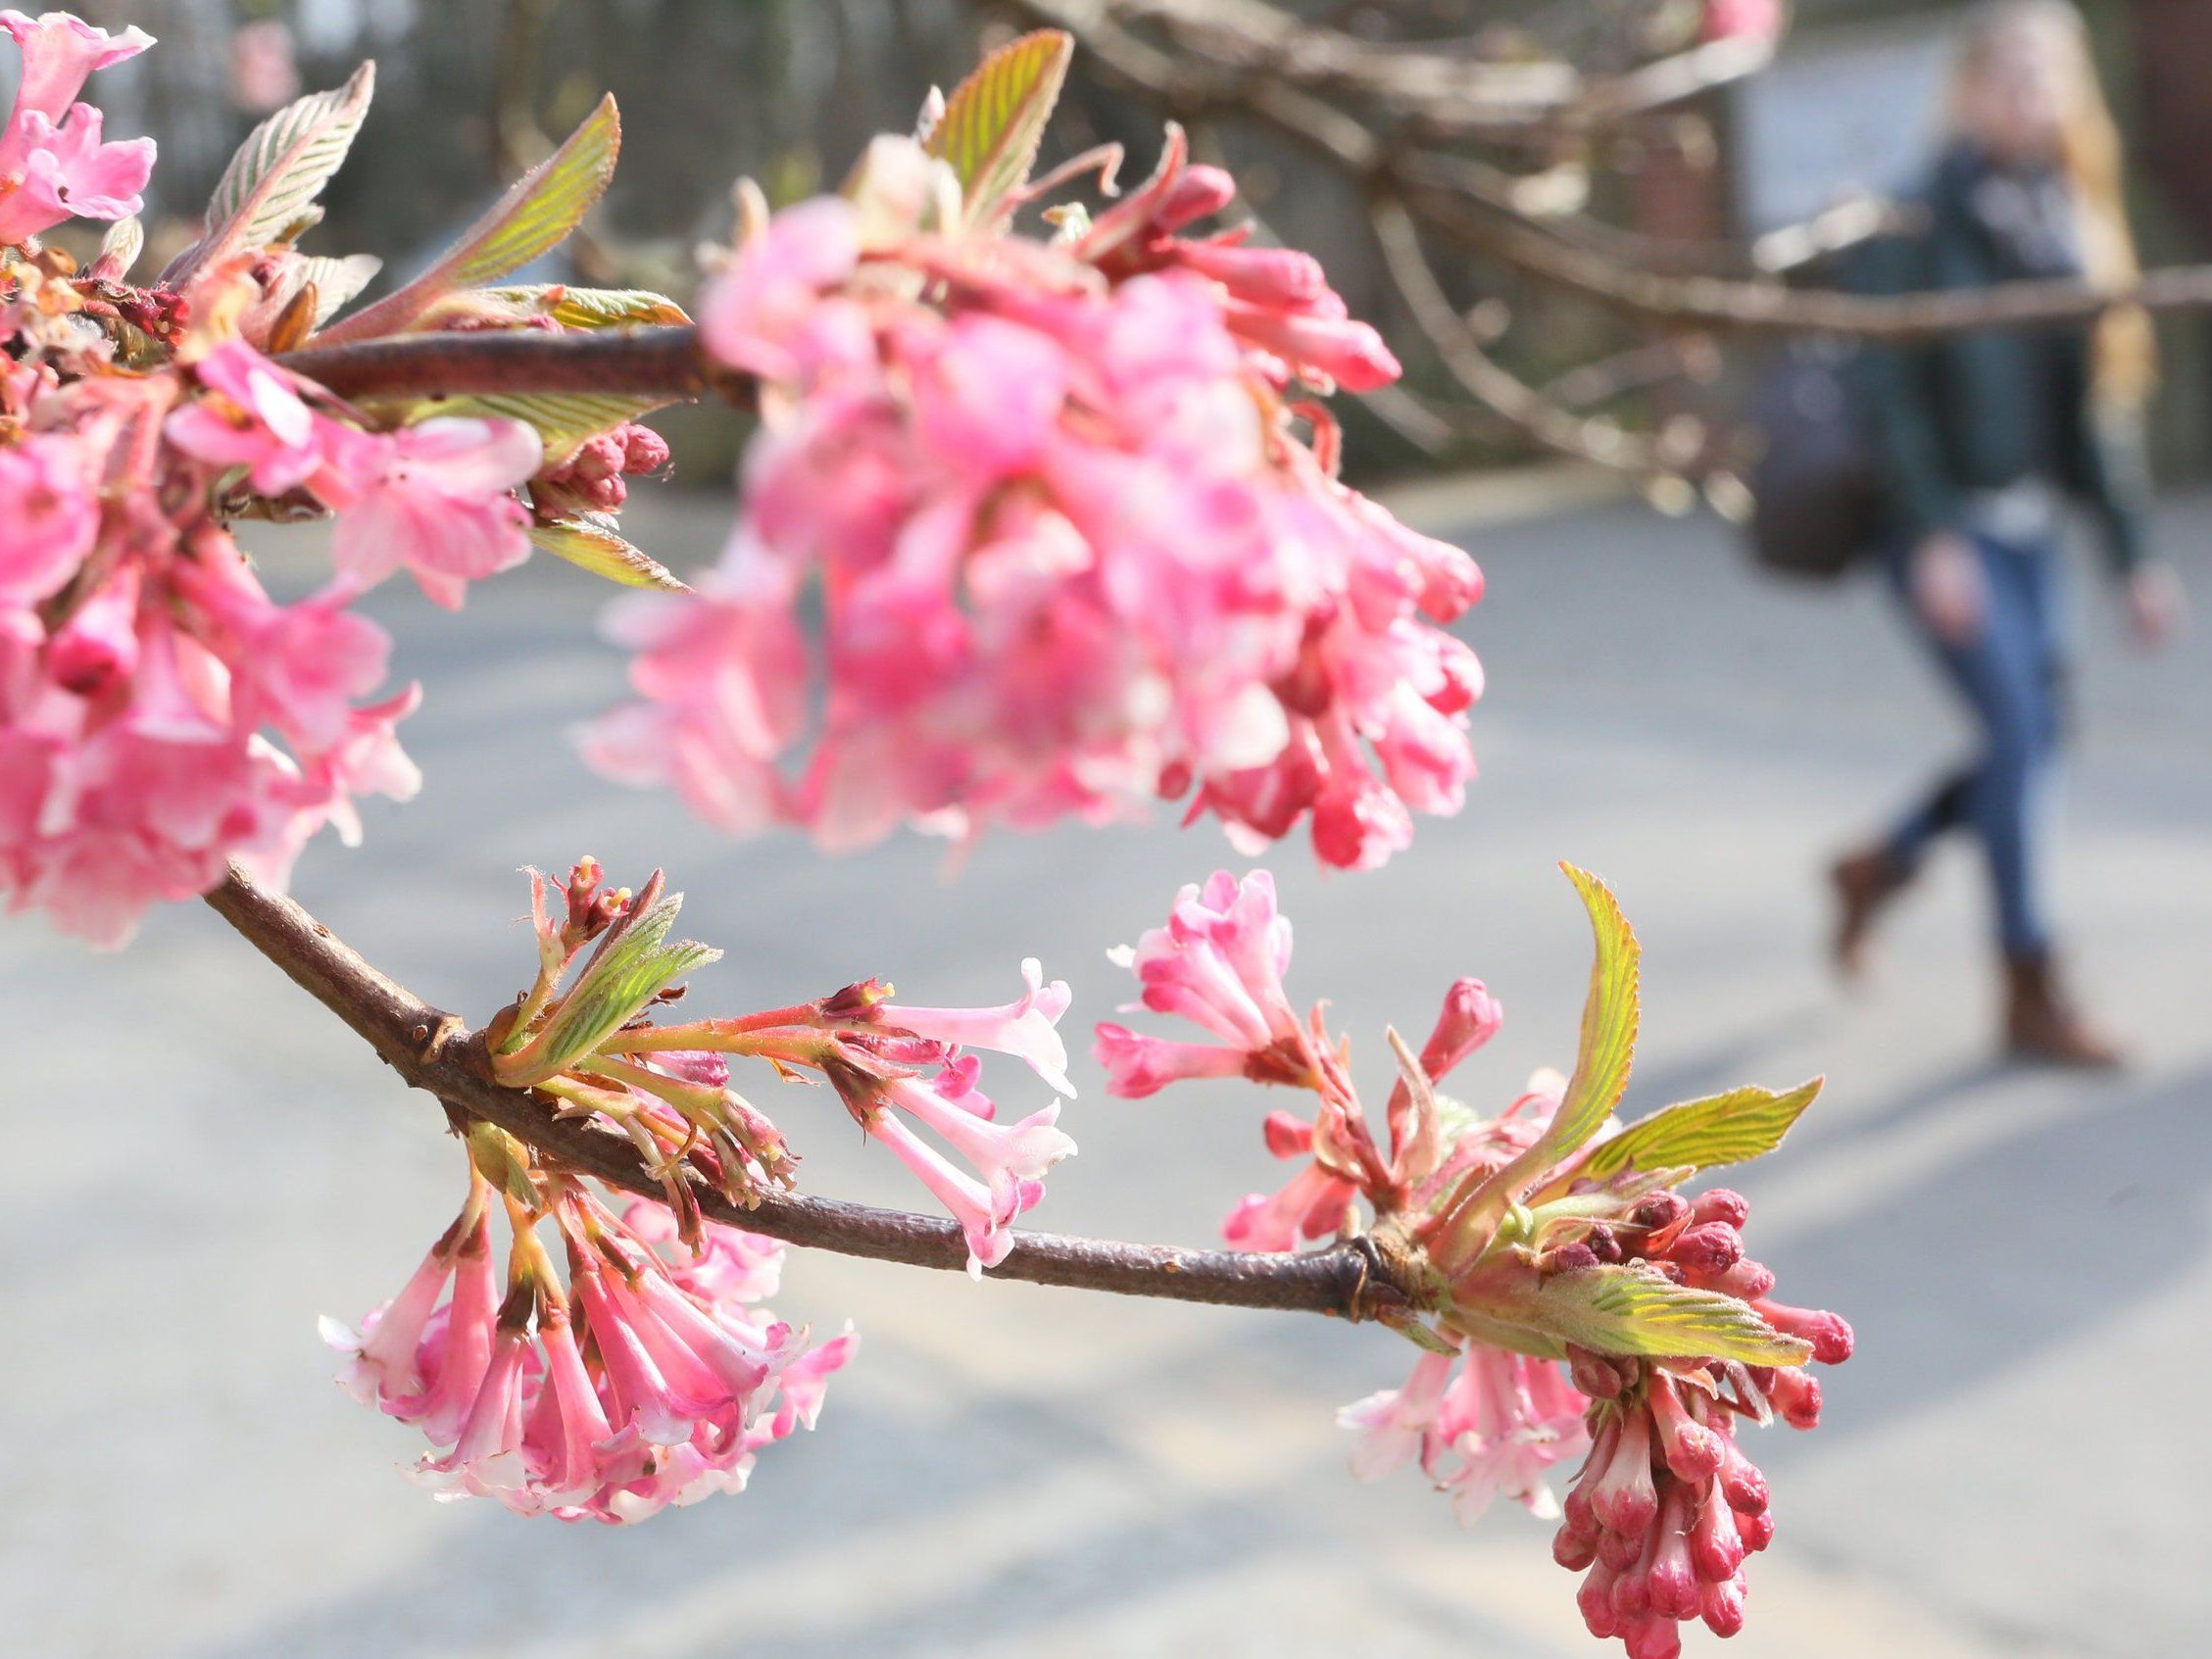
[644, 360]
[1479, 376]
[1571, 252]
[433, 1051]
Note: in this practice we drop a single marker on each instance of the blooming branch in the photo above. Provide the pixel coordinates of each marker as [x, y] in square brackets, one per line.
[434, 1051]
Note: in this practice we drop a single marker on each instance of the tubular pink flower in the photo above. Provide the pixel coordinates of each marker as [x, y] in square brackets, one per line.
[49, 514]
[1393, 1427]
[1219, 961]
[985, 1216]
[1138, 1065]
[1312, 1205]
[436, 499]
[1022, 1028]
[486, 1460]
[53, 164]
[1009, 1160]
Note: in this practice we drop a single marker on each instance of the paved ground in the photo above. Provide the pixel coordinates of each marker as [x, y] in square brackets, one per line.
[2014, 1464]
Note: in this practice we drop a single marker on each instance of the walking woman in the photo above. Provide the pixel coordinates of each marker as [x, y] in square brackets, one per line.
[1982, 438]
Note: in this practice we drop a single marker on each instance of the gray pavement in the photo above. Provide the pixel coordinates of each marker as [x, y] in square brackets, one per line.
[2014, 1463]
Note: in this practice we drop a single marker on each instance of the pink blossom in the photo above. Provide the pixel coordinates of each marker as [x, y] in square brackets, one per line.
[1022, 1028]
[54, 164]
[49, 514]
[1219, 961]
[1392, 1427]
[653, 1378]
[436, 499]
[1008, 1161]
[1077, 548]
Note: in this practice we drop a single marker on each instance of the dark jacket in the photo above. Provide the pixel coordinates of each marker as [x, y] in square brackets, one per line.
[1983, 409]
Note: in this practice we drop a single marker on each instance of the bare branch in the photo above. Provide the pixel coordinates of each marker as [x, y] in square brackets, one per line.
[433, 1051]
[446, 363]
[1477, 375]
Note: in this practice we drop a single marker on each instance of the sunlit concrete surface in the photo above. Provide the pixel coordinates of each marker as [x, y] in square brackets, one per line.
[199, 1162]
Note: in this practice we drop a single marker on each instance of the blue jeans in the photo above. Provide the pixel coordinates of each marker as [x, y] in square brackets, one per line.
[2011, 675]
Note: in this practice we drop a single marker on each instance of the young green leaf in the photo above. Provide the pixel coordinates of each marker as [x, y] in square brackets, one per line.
[1610, 1017]
[1633, 1311]
[535, 216]
[1732, 1128]
[995, 119]
[588, 308]
[337, 282]
[634, 962]
[591, 542]
[271, 182]
[562, 420]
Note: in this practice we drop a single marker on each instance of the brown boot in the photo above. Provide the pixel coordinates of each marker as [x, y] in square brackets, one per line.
[1865, 883]
[2041, 1024]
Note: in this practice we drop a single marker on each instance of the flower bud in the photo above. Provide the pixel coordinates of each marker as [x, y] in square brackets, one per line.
[1796, 1396]
[1720, 1204]
[1830, 1333]
[1716, 1548]
[1623, 1498]
[1712, 1246]
[1593, 1599]
[1721, 1606]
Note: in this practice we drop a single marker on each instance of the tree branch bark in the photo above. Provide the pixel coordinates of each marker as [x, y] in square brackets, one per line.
[444, 364]
[433, 1051]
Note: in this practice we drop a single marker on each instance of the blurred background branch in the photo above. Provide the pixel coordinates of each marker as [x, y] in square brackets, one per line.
[1580, 223]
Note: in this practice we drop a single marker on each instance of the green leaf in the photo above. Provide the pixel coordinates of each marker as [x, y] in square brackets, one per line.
[271, 182]
[562, 420]
[1633, 1311]
[1609, 1016]
[995, 118]
[591, 542]
[589, 307]
[536, 214]
[630, 968]
[1732, 1128]
[337, 282]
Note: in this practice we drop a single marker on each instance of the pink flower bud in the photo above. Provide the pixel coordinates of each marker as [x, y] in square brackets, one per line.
[1721, 1606]
[1673, 1581]
[1652, 1638]
[1755, 1527]
[1692, 1452]
[1796, 1396]
[1593, 1599]
[1710, 1247]
[1623, 1498]
[1720, 1204]
[1830, 1333]
[1286, 1137]
[1574, 1550]
[1198, 192]
[1716, 1547]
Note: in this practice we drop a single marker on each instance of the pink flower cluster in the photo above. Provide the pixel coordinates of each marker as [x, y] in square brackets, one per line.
[901, 1070]
[54, 164]
[1073, 550]
[1481, 1422]
[1667, 1505]
[1219, 963]
[1522, 1231]
[652, 1377]
[160, 714]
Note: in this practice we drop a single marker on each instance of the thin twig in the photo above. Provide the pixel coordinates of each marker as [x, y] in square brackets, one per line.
[433, 1051]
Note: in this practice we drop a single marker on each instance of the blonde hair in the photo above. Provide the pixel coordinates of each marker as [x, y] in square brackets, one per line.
[2124, 352]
